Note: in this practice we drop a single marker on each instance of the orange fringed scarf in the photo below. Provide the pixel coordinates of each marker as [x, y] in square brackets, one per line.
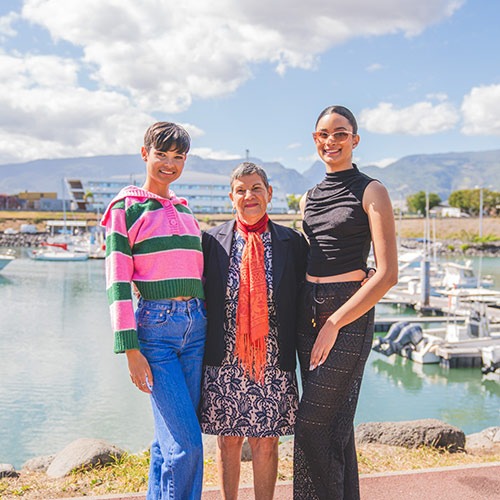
[252, 320]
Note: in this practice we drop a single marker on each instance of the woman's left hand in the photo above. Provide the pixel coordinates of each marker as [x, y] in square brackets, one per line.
[324, 342]
[369, 274]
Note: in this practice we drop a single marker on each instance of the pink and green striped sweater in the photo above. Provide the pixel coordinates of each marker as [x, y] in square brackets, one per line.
[155, 243]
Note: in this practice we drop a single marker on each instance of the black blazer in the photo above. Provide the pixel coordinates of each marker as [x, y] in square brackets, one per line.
[289, 248]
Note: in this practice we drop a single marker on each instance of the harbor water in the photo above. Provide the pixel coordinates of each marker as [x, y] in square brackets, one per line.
[59, 378]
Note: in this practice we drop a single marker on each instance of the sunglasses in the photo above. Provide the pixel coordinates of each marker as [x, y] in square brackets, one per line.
[339, 136]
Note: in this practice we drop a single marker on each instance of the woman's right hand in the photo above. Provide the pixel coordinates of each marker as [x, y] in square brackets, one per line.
[140, 371]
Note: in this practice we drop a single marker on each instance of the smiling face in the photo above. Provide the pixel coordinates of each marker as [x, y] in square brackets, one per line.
[162, 168]
[250, 197]
[337, 154]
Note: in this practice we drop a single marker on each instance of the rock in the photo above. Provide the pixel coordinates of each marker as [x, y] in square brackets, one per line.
[412, 434]
[246, 452]
[85, 453]
[209, 446]
[285, 449]
[210, 449]
[487, 441]
[7, 470]
[38, 464]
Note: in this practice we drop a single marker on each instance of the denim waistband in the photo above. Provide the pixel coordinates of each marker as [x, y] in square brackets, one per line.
[172, 305]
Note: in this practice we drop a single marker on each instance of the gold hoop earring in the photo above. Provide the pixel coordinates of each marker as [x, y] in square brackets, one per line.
[270, 206]
[233, 211]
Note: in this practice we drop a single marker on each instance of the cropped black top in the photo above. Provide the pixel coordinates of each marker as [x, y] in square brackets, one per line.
[336, 224]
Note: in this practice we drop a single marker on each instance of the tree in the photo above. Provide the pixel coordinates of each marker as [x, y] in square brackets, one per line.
[462, 199]
[417, 202]
[293, 202]
[469, 200]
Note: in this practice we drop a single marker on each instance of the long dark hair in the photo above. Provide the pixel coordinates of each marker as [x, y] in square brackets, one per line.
[340, 110]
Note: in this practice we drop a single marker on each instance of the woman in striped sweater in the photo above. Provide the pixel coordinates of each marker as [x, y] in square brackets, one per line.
[153, 241]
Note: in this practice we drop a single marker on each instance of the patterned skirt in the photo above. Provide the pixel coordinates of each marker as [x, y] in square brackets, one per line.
[232, 404]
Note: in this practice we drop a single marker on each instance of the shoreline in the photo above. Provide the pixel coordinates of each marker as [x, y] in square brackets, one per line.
[128, 475]
[454, 247]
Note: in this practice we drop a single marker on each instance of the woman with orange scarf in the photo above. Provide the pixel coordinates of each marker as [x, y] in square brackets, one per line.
[253, 272]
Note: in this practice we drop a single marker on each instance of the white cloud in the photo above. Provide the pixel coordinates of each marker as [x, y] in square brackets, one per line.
[149, 58]
[45, 114]
[422, 118]
[438, 96]
[481, 111]
[214, 155]
[294, 145]
[193, 130]
[374, 67]
[6, 29]
[309, 158]
[167, 53]
[384, 162]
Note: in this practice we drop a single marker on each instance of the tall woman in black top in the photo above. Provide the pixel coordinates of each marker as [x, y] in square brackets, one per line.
[343, 215]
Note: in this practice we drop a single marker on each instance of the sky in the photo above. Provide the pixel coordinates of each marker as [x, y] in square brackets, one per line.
[248, 77]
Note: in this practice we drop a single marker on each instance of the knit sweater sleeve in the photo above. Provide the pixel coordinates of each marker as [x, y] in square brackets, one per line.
[119, 273]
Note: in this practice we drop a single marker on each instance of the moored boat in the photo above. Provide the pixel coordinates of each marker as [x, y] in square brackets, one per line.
[460, 343]
[6, 257]
[57, 252]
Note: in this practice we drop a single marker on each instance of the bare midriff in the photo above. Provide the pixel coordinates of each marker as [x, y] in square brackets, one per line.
[358, 275]
[181, 298]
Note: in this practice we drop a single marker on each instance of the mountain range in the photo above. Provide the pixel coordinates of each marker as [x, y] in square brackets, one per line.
[437, 173]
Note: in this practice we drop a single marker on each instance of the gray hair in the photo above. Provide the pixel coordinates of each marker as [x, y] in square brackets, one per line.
[248, 168]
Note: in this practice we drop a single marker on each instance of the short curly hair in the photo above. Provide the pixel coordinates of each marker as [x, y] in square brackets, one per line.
[248, 168]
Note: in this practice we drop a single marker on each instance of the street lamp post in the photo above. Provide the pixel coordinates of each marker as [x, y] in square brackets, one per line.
[480, 212]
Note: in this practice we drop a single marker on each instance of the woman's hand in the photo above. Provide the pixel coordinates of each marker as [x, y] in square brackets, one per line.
[140, 371]
[370, 273]
[324, 342]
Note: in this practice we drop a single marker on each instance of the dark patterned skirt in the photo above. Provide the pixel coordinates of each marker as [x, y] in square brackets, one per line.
[232, 404]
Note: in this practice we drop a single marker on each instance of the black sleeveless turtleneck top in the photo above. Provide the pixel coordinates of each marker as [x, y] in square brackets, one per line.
[336, 224]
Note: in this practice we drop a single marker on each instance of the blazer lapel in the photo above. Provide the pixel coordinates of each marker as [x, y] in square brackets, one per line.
[225, 239]
[280, 253]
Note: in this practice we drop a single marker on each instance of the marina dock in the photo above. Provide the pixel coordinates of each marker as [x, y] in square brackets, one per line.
[445, 312]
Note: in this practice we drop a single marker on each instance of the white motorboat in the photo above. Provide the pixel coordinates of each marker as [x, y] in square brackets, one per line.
[6, 257]
[462, 340]
[491, 359]
[463, 276]
[90, 243]
[443, 276]
[57, 252]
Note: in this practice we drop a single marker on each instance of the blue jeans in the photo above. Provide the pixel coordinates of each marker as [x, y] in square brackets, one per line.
[172, 338]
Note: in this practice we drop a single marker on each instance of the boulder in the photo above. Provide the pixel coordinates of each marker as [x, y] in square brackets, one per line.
[82, 453]
[285, 449]
[209, 446]
[412, 434]
[7, 470]
[486, 441]
[210, 449]
[246, 452]
[38, 464]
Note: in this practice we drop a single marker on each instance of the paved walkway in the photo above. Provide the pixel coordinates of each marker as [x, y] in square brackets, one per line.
[471, 482]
